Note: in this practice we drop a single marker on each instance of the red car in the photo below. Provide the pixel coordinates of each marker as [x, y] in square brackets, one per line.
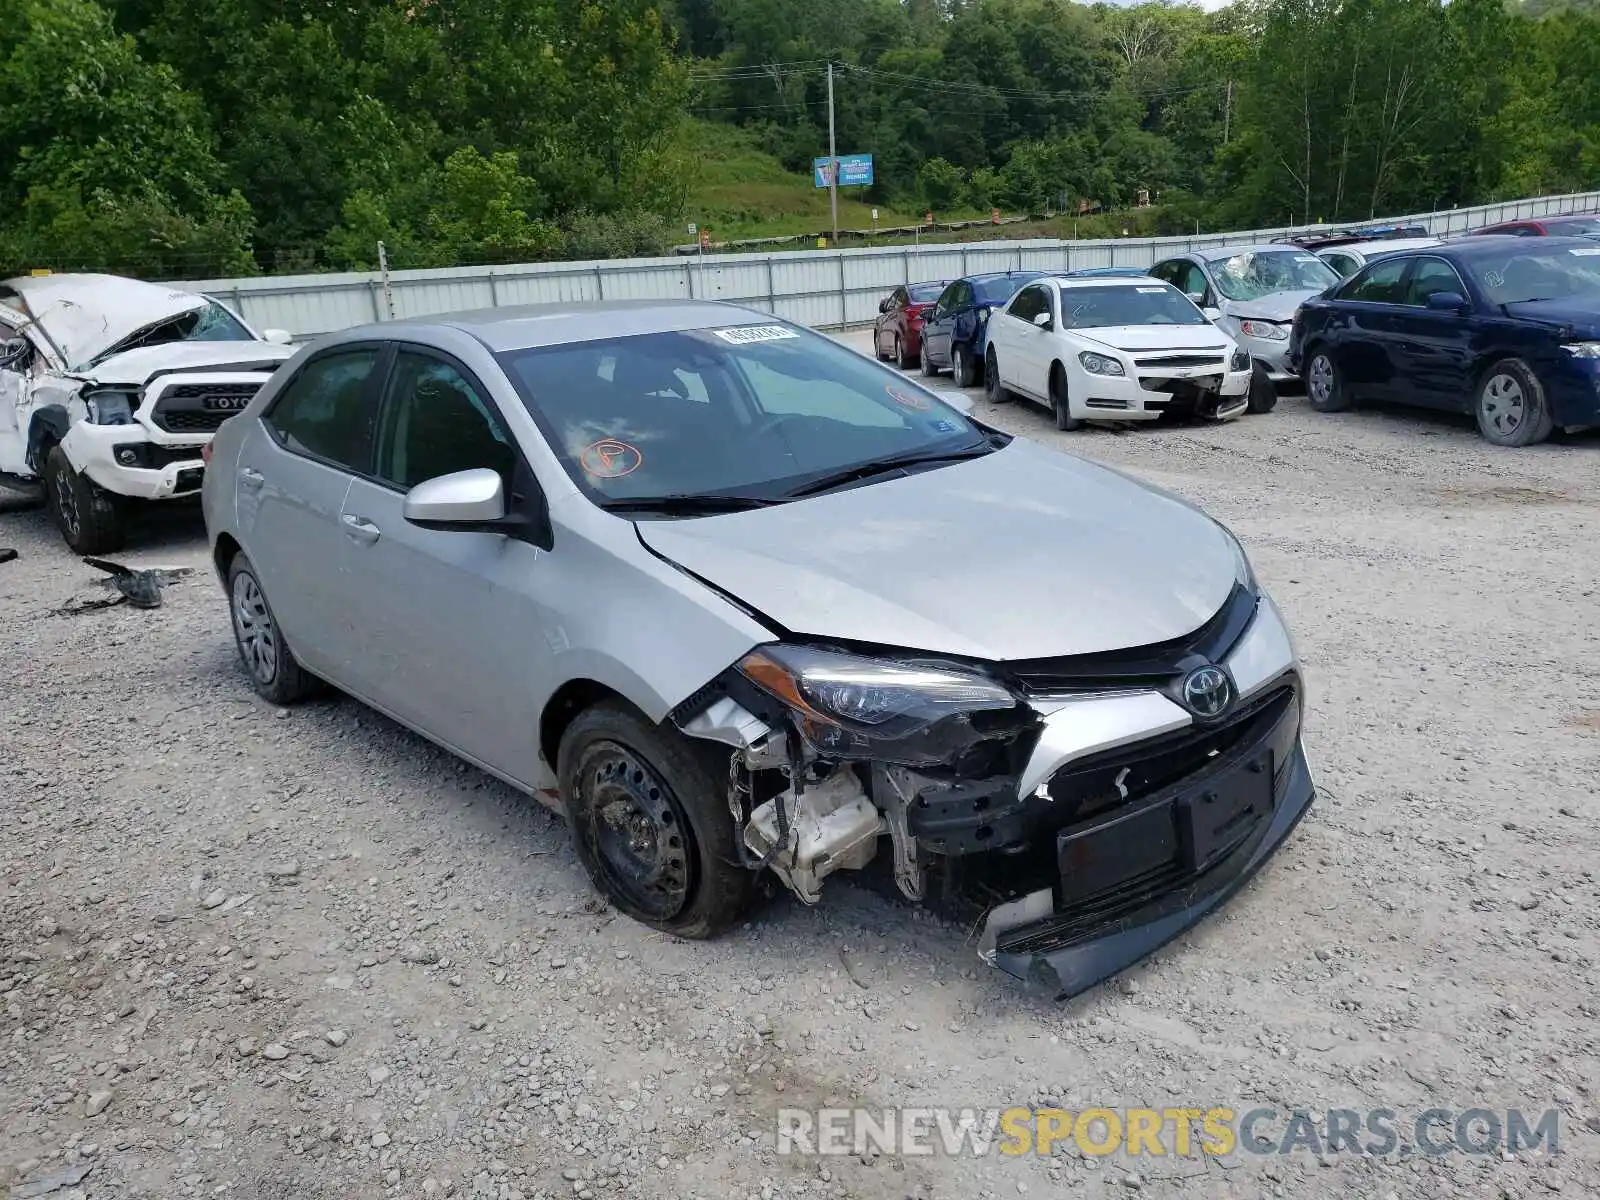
[897, 333]
[1573, 226]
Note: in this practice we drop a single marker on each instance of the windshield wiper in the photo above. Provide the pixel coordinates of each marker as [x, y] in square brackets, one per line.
[687, 503]
[884, 466]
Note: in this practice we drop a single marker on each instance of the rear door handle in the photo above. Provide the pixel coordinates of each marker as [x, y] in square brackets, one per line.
[251, 479]
[360, 530]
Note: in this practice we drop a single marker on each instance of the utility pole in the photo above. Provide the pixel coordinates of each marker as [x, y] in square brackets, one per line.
[1227, 111]
[833, 162]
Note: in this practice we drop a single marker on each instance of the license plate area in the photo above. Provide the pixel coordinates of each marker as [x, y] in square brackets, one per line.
[1157, 845]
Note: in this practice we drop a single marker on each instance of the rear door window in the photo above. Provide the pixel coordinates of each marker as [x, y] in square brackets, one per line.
[327, 410]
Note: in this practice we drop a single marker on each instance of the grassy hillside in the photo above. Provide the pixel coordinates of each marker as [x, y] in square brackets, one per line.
[740, 191]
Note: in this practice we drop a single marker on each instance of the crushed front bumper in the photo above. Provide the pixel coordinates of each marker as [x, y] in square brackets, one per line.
[1139, 877]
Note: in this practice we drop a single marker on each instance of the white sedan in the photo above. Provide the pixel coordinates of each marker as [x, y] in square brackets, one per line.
[1113, 350]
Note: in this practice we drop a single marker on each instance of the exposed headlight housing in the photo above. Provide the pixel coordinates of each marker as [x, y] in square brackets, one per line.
[1267, 330]
[109, 406]
[1582, 349]
[1239, 360]
[1100, 364]
[851, 706]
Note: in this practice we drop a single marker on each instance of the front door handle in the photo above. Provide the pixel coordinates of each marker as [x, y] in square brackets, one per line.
[251, 479]
[360, 530]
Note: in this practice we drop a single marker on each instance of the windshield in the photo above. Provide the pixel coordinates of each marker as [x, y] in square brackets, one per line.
[1257, 273]
[998, 291]
[1152, 304]
[754, 410]
[209, 323]
[1525, 273]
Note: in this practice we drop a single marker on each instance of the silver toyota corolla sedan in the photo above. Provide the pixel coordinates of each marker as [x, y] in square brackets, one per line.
[737, 599]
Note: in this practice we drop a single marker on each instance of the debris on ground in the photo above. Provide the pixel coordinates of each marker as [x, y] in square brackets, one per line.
[140, 588]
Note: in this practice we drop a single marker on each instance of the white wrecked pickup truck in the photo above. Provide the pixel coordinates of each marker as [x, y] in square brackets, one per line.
[109, 390]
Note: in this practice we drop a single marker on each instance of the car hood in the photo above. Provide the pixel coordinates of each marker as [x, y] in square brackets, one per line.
[141, 365]
[1024, 553]
[1582, 313]
[83, 316]
[1277, 306]
[1157, 337]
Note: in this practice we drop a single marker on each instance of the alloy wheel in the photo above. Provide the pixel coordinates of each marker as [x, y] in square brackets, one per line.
[252, 622]
[67, 502]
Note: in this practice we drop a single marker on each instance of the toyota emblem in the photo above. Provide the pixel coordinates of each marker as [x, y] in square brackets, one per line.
[1208, 692]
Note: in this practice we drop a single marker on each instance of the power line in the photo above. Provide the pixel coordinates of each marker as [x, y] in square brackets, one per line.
[950, 87]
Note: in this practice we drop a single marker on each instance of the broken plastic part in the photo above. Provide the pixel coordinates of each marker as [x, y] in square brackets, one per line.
[729, 722]
[895, 789]
[1035, 906]
[833, 826]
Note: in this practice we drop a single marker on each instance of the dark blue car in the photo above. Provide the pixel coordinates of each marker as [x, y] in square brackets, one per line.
[956, 333]
[1506, 328]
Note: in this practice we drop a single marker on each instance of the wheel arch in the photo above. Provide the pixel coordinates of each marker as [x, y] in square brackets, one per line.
[563, 708]
[224, 552]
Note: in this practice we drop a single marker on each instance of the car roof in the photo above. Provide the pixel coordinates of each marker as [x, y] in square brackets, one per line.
[1101, 281]
[1222, 253]
[1483, 245]
[1382, 246]
[527, 327]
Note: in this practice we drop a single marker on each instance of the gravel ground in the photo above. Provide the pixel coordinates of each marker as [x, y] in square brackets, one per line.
[304, 954]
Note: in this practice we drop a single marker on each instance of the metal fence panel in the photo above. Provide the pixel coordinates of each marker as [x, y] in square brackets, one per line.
[825, 288]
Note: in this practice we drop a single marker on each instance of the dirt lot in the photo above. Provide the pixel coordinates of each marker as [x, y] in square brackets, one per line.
[276, 954]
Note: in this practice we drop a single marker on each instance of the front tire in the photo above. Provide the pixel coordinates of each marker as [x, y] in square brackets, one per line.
[1059, 406]
[90, 521]
[1263, 393]
[962, 368]
[275, 673]
[649, 823]
[1325, 390]
[928, 369]
[1511, 406]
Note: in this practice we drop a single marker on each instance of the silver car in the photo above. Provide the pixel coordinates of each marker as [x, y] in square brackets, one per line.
[1252, 293]
[737, 599]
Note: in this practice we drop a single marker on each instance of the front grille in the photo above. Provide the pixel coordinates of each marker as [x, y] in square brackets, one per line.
[200, 407]
[1175, 362]
[1087, 787]
[1152, 666]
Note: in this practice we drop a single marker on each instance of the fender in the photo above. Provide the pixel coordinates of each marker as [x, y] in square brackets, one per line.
[48, 426]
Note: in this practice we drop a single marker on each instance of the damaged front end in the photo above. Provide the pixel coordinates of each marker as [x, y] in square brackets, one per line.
[1081, 811]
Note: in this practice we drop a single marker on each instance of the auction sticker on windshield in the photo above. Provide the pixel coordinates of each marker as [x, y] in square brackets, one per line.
[1585, 252]
[1152, 291]
[740, 335]
[610, 459]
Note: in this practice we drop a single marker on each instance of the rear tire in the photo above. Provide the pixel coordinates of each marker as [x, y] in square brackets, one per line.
[1059, 407]
[649, 823]
[90, 521]
[994, 391]
[1263, 393]
[1511, 406]
[962, 368]
[1325, 390]
[905, 360]
[275, 673]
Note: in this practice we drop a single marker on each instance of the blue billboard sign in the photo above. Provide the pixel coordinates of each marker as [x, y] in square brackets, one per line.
[855, 170]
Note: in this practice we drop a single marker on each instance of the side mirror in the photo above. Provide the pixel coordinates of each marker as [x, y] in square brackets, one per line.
[280, 337]
[467, 501]
[1453, 302]
[1211, 314]
[959, 401]
[14, 353]
[883, 305]
[1042, 320]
